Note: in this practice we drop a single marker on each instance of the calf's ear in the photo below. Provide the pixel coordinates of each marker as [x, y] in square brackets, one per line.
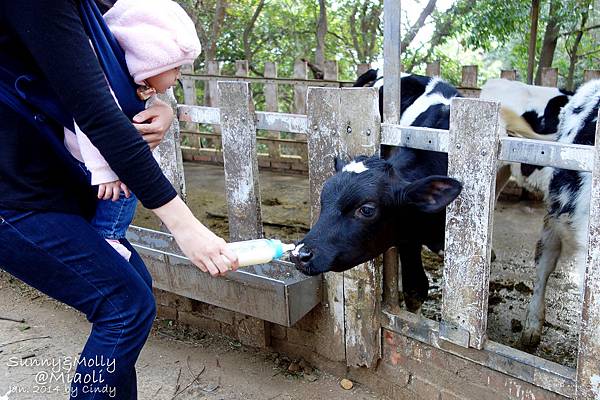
[431, 194]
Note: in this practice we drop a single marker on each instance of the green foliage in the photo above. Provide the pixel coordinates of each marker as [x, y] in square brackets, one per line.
[488, 33]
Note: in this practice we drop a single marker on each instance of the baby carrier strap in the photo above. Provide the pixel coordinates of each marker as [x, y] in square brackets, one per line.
[111, 57]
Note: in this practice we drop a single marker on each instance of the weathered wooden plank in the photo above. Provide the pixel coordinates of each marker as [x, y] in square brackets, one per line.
[469, 76]
[199, 114]
[361, 68]
[168, 153]
[294, 123]
[553, 154]
[512, 362]
[188, 85]
[391, 60]
[323, 121]
[591, 74]
[271, 102]
[300, 72]
[433, 68]
[330, 70]
[469, 220]
[510, 74]
[211, 90]
[241, 68]
[559, 155]
[240, 161]
[415, 137]
[550, 77]
[279, 80]
[588, 357]
[360, 135]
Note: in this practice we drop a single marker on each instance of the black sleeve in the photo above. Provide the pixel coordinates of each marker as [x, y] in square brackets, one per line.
[52, 32]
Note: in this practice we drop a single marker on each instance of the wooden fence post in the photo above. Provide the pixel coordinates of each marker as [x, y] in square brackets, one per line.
[550, 77]
[323, 139]
[469, 76]
[391, 61]
[469, 221]
[188, 85]
[271, 102]
[168, 152]
[510, 74]
[362, 68]
[590, 74]
[240, 161]
[588, 357]
[433, 68]
[330, 70]
[241, 183]
[211, 90]
[360, 135]
[241, 68]
[300, 72]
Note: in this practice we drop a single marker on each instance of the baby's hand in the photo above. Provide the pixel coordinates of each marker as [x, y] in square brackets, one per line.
[112, 190]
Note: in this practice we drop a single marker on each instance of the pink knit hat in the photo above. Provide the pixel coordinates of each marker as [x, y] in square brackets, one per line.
[156, 35]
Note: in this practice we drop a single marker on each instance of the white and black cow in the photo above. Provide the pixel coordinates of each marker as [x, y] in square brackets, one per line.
[538, 105]
[372, 204]
[567, 199]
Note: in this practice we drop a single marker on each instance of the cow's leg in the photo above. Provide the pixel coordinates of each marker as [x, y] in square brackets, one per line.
[415, 284]
[547, 254]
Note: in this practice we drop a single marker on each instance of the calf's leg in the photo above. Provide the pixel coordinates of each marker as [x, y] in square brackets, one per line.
[547, 254]
[415, 284]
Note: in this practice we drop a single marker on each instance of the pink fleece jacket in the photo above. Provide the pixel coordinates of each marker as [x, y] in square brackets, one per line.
[156, 36]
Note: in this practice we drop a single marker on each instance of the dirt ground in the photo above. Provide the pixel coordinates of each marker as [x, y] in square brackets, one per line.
[516, 229]
[171, 359]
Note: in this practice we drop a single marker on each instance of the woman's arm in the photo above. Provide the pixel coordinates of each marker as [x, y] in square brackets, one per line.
[198, 243]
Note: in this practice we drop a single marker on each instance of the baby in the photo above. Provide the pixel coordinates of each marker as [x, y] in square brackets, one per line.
[158, 37]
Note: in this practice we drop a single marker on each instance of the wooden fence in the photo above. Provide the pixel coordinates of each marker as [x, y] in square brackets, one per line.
[281, 151]
[354, 325]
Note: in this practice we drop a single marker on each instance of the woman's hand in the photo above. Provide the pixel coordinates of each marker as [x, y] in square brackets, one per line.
[112, 190]
[154, 122]
[205, 249]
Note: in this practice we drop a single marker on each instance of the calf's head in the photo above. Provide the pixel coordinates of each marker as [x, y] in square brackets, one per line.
[366, 208]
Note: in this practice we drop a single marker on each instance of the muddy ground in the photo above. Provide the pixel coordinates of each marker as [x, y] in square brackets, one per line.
[516, 229]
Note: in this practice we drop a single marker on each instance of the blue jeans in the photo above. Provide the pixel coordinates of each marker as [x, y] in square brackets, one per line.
[112, 218]
[63, 256]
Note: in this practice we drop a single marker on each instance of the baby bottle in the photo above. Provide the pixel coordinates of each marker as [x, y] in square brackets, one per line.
[259, 251]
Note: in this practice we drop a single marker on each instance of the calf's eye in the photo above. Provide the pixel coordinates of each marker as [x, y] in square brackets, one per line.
[366, 211]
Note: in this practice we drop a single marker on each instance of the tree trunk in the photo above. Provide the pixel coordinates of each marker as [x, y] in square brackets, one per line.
[573, 56]
[248, 32]
[412, 32]
[321, 32]
[535, 14]
[366, 21]
[550, 40]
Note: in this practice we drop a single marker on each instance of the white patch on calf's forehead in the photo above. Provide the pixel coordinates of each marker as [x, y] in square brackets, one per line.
[355, 167]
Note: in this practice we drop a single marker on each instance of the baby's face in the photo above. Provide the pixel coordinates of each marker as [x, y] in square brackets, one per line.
[164, 80]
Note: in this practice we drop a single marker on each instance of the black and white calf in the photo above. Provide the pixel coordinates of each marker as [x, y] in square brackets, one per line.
[372, 204]
[540, 107]
[567, 199]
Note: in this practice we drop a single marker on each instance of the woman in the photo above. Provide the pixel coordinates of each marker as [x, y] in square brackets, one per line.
[44, 238]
